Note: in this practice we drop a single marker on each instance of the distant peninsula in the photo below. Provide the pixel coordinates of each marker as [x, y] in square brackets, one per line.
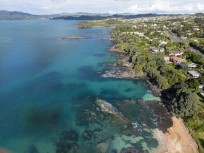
[73, 38]
[17, 15]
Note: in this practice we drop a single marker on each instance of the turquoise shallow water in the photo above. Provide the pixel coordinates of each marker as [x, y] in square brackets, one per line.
[49, 87]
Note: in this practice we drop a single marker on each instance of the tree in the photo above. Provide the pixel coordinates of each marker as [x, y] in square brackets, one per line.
[185, 103]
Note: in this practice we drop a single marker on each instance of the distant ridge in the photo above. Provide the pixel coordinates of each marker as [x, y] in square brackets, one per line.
[102, 16]
[17, 15]
[11, 15]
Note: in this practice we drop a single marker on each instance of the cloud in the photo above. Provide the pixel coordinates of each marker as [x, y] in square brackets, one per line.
[166, 6]
[104, 6]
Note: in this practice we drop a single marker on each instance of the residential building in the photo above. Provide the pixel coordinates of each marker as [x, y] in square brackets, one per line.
[193, 74]
[177, 59]
[161, 49]
[201, 86]
[192, 65]
[175, 52]
[167, 59]
[154, 49]
[183, 66]
[202, 94]
[163, 43]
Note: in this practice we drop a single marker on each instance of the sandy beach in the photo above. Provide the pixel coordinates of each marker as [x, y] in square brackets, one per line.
[176, 140]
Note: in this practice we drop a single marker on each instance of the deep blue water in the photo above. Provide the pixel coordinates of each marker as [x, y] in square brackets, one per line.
[48, 91]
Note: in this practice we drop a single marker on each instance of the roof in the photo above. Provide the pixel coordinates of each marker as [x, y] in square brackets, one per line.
[154, 49]
[194, 73]
[167, 57]
[192, 65]
[175, 58]
[163, 43]
[176, 51]
[184, 66]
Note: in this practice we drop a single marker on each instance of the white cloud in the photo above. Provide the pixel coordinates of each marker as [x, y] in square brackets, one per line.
[104, 6]
[162, 6]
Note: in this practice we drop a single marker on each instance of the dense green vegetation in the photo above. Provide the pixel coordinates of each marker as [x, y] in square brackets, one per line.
[198, 44]
[98, 23]
[180, 92]
[192, 29]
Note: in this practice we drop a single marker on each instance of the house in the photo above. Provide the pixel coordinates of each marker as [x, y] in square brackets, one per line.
[202, 94]
[177, 59]
[161, 49]
[192, 65]
[183, 66]
[167, 59]
[163, 43]
[154, 49]
[175, 52]
[194, 74]
[201, 86]
[196, 28]
[187, 66]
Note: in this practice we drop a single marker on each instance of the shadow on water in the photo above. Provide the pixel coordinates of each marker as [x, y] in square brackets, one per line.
[89, 73]
[43, 118]
[74, 87]
[109, 93]
[49, 81]
[32, 149]
[49, 84]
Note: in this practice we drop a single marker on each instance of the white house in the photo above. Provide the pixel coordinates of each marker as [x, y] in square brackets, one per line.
[163, 43]
[201, 86]
[167, 59]
[194, 74]
[154, 49]
[192, 65]
[175, 52]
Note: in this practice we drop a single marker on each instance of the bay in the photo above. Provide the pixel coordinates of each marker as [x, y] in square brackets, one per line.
[49, 88]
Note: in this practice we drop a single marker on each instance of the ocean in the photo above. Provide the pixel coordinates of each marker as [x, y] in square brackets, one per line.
[50, 88]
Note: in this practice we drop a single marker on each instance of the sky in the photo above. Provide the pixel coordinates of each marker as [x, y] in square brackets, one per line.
[104, 6]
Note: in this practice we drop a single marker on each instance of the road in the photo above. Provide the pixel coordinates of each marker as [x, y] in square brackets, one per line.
[175, 38]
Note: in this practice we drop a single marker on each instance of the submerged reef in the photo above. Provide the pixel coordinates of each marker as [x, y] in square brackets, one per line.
[32, 149]
[67, 141]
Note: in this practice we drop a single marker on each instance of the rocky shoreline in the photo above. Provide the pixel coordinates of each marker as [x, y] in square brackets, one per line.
[115, 49]
[125, 70]
[177, 138]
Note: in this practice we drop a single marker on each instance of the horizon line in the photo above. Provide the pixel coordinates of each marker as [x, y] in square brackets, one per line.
[116, 13]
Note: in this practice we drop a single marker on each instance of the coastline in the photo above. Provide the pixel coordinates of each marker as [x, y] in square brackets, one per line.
[131, 74]
[177, 138]
[114, 49]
